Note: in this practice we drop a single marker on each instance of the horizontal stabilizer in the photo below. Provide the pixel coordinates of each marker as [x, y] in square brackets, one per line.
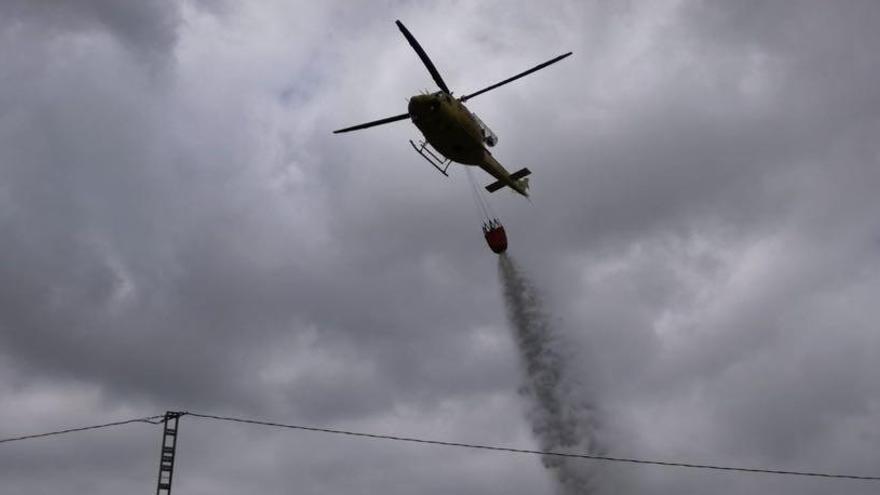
[519, 174]
[495, 186]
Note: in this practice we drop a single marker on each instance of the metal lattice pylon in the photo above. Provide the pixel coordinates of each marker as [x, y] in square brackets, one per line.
[169, 448]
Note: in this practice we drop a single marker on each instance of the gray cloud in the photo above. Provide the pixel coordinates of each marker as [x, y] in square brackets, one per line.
[703, 227]
[148, 29]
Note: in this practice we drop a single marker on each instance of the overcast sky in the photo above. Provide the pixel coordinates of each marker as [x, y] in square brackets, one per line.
[179, 230]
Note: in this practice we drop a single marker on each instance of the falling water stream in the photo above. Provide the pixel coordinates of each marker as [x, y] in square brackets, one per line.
[561, 414]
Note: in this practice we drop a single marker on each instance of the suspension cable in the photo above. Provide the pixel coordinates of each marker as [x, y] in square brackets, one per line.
[481, 202]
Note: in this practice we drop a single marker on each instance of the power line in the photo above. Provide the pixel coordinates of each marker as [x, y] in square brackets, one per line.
[157, 419]
[148, 419]
[537, 452]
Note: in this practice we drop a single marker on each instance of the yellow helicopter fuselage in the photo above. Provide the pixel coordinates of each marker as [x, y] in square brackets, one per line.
[449, 127]
[456, 133]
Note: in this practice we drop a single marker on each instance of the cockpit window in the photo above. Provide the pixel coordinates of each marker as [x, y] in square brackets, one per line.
[489, 137]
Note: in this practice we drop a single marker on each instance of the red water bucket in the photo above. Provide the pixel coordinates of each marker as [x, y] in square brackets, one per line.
[496, 238]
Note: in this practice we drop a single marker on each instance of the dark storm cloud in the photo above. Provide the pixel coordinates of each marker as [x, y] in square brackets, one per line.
[148, 27]
[758, 163]
[136, 269]
[703, 226]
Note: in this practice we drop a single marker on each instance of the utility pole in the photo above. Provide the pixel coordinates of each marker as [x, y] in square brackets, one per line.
[169, 448]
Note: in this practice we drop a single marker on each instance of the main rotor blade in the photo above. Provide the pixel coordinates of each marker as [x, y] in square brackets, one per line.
[514, 78]
[374, 123]
[424, 56]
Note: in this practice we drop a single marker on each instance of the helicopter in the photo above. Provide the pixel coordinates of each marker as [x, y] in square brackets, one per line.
[454, 132]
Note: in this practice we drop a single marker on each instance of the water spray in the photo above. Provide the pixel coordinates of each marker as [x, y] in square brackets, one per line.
[562, 420]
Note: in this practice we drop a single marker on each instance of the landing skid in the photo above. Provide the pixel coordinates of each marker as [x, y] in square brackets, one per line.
[438, 161]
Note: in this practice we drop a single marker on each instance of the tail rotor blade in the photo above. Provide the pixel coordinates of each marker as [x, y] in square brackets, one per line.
[424, 56]
[373, 123]
[514, 78]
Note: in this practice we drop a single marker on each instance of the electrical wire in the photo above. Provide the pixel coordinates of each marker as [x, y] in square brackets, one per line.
[148, 419]
[157, 419]
[536, 452]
